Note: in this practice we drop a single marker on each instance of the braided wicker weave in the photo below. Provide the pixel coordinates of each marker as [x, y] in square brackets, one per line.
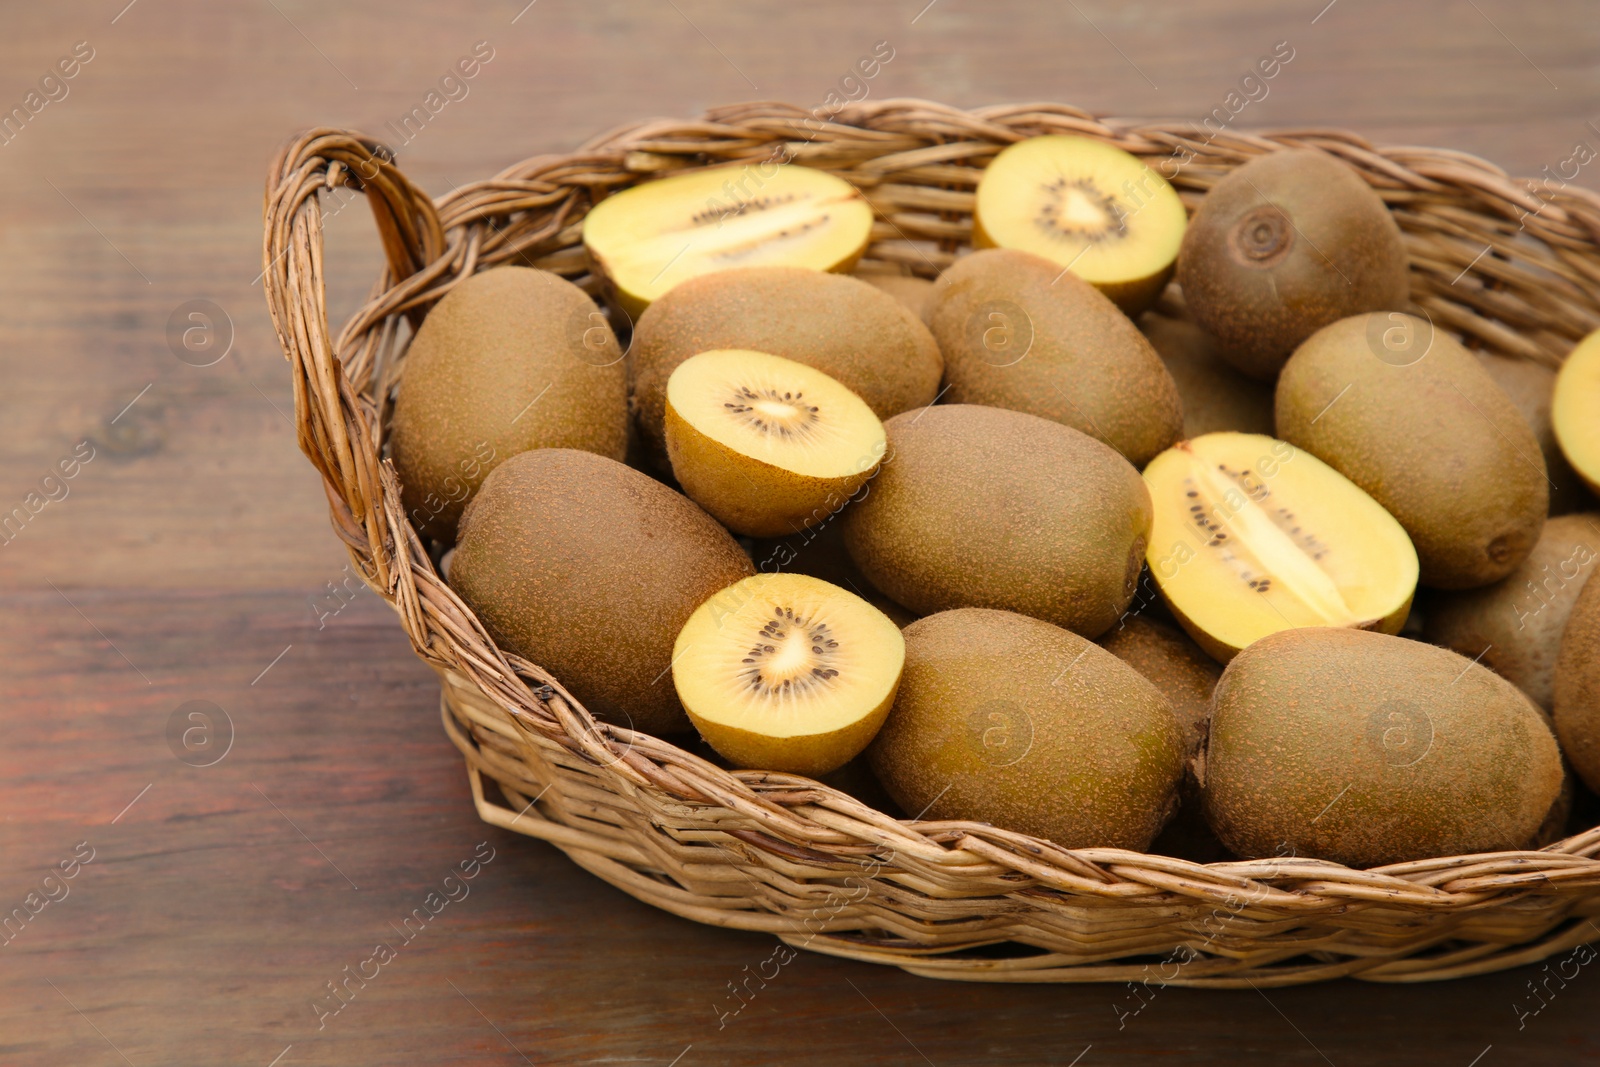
[1511, 265]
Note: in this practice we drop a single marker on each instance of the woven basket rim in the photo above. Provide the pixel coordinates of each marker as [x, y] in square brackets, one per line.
[1542, 246]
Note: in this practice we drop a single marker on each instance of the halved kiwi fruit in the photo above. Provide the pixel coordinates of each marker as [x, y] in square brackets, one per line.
[785, 672]
[767, 445]
[1087, 205]
[1252, 535]
[649, 238]
[1575, 411]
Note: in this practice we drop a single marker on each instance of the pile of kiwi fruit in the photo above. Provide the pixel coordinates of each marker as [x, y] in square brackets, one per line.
[1141, 525]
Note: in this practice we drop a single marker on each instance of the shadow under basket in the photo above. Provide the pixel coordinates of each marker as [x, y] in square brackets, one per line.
[1511, 265]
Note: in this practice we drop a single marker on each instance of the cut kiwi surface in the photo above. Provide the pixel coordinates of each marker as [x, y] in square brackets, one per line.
[647, 239]
[786, 672]
[1089, 206]
[767, 445]
[1575, 410]
[1252, 535]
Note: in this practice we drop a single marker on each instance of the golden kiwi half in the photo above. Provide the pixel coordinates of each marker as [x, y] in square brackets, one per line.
[647, 239]
[767, 445]
[786, 672]
[1252, 535]
[1575, 409]
[1089, 206]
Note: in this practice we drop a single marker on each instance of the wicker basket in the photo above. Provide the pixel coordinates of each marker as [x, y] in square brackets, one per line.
[1511, 265]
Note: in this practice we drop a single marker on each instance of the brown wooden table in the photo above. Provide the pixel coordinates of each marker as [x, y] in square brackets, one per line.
[189, 559]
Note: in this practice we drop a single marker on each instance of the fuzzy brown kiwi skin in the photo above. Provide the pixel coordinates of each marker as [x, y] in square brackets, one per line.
[1435, 441]
[495, 344]
[1175, 665]
[1284, 245]
[1530, 386]
[1089, 752]
[868, 340]
[1215, 395]
[1577, 687]
[1085, 364]
[589, 569]
[1367, 749]
[983, 507]
[1514, 626]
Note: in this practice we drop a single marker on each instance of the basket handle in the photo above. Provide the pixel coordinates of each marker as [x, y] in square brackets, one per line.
[336, 428]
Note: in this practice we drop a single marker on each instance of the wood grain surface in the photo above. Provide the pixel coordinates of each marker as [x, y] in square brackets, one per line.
[189, 558]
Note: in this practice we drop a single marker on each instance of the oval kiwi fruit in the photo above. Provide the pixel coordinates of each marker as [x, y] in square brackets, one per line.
[1174, 664]
[1575, 409]
[909, 289]
[768, 446]
[983, 507]
[1281, 247]
[1086, 206]
[1367, 749]
[1531, 387]
[1577, 686]
[652, 237]
[1514, 626]
[785, 672]
[1019, 332]
[1214, 395]
[1401, 409]
[819, 551]
[1252, 535]
[510, 360]
[863, 337]
[1009, 720]
[590, 569]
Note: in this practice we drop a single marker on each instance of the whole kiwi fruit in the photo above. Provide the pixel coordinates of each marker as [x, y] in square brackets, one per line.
[1514, 626]
[1402, 410]
[1577, 687]
[868, 340]
[1175, 665]
[1531, 387]
[1284, 245]
[1017, 331]
[509, 360]
[1215, 396]
[984, 507]
[1008, 720]
[1366, 749]
[590, 568]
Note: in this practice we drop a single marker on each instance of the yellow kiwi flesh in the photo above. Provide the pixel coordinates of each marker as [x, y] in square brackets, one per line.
[785, 672]
[1087, 206]
[510, 360]
[1252, 535]
[590, 568]
[767, 445]
[647, 239]
[1575, 410]
[872, 343]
